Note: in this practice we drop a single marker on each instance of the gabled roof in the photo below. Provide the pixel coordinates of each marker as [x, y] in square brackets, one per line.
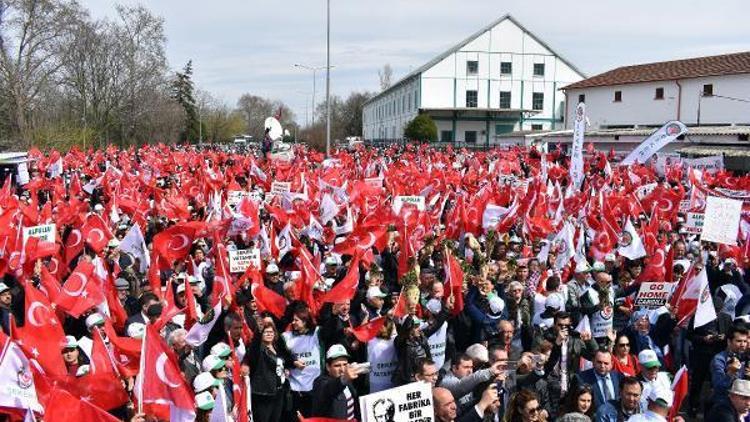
[726, 64]
[466, 41]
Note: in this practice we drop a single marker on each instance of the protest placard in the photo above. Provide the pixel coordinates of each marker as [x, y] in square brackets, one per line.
[722, 220]
[694, 222]
[46, 232]
[653, 295]
[375, 182]
[234, 197]
[239, 260]
[417, 201]
[408, 403]
[277, 188]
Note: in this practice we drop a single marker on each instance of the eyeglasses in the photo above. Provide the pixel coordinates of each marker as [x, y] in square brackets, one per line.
[624, 344]
[533, 410]
[563, 325]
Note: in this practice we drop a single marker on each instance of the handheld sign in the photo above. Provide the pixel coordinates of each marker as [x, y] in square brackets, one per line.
[721, 221]
[408, 403]
[653, 295]
[46, 232]
[241, 259]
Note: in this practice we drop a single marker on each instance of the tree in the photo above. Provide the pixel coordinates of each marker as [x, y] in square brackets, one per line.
[256, 109]
[182, 92]
[385, 75]
[421, 128]
[33, 33]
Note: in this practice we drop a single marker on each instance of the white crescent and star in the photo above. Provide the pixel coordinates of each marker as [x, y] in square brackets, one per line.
[369, 244]
[77, 234]
[78, 292]
[31, 313]
[185, 242]
[160, 362]
[96, 235]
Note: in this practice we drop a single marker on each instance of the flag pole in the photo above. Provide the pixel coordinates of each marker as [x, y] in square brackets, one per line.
[139, 377]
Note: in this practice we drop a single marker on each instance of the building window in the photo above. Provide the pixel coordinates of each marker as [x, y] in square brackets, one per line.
[536, 127]
[581, 98]
[416, 100]
[708, 90]
[446, 136]
[537, 101]
[659, 94]
[538, 69]
[618, 96]
[403, 104]
[504, 99]
[471, 99]
[472, 67]
[470, 136]
[409, 96]
[506, 68]
[500, 129]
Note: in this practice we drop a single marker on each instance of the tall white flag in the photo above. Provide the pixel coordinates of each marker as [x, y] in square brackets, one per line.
[576, 154]
[134, 244]
[17, 388]
[705, 311]
[656, 141]
[564, 245]
[631, 246]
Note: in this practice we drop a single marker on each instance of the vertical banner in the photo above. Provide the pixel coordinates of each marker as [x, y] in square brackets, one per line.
[576, 155]
[666, 134]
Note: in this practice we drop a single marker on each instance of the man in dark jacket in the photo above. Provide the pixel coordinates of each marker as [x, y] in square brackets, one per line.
[626, 406]
[738, 406]
[334, 395]
[604, 382]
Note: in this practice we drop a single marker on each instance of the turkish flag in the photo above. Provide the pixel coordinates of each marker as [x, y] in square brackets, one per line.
[655, 269]
[680, 388]
[65, 407]
[42, 334]
[126, 351]
[174, 243]
[95, 232]
[268, 300]
[104, 385]
[81, 291]
[37, 248]
[369, 330]
[454, 282]
[159, 380]
[73, 245]
[346, 288]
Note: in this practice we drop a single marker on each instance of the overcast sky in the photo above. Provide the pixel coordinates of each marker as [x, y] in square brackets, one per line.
[250, 46]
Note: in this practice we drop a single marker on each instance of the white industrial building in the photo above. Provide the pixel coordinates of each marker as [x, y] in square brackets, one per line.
[499, 80]
[702, 91]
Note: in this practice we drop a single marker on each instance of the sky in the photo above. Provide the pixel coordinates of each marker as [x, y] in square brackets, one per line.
[251, 46]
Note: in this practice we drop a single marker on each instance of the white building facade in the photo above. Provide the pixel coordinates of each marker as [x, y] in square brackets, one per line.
[501, 79]
[704, 91]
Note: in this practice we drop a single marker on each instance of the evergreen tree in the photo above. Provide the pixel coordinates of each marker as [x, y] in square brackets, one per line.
[182, 92]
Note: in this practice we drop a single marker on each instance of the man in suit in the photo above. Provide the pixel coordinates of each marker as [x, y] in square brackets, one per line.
[147, 299]
[603, 380]
[568, 347]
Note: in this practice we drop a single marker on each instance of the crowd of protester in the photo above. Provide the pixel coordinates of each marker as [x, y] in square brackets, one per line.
[355, 292]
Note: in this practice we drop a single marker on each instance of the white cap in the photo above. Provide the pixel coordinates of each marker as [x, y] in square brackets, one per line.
[221, 350]
[336, 351]
[212, 363]
[610, 257]
[180, 288]
[662, 393]
[272, 268]
[331, 260]
[98, 207]
[204, 381]
[94, 319]
[70, 343]
[375, 291]
[582, 267]
[3, 287]
[113, 243]
[204, 401]
[648, 359]
[599, 266]
[136, 330]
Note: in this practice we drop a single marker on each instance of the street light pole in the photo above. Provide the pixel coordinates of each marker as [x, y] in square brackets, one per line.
[328, 78]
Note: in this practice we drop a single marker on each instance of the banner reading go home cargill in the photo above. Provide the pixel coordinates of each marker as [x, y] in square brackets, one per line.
[666, 134]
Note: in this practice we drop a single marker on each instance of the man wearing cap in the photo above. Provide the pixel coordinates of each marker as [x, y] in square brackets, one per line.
[334, 395]
[273, 279]
[129, 303]
[72, 355]
[374, 301]
[650, 375]
[659, 403]
[576, 289]
[6, 298]
[737, 408]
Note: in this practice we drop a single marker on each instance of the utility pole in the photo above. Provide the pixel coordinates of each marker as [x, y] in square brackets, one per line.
[328, 78]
